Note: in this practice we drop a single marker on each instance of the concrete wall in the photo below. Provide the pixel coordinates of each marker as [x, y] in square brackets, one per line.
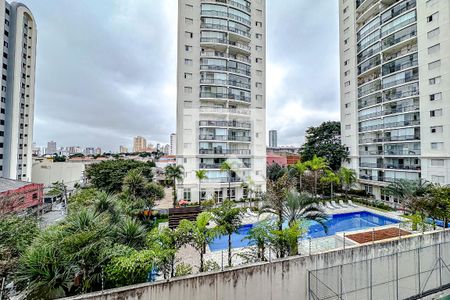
[283, 279]
[46, 171]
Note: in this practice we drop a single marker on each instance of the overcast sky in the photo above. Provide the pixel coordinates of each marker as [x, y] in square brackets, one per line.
[106, 69]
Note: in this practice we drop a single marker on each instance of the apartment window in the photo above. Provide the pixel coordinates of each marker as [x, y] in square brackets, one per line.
[431, 2]
[258, 24]
[346, 73]
[433, 17]
[346, 30]
[434, 65]
[346, 62]
[347, 83]
[434, 49]
[437, 129]
[258, 48]
[188, 62]
[188, 48]
[258, 97]
[188, 34]
[437, 146]
[348, 126]
[347, 105]
[188, 90]
[187, 145]
[436, 97]
[258, 36]
[187, 75]
[259, 12]
[435, 80]
[345, 9]
[189, 7]
[5, 55]
[4, 77]
[438, 179]
[433, 33]
[258, 72]
[188, 21]
[437, 162]
[5, 43]
[258, 60]
[187, 194]
[2, 111]
[259, 84]
[346, 41]
[187, 104]
[436, 113]
[3, 99]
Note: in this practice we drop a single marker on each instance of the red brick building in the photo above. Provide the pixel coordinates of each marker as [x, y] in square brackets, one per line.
[19, 196]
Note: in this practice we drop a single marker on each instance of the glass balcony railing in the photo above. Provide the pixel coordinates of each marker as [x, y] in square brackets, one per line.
[225, 151]
[225, 96]
[226, 82]
[225, 124]
[240, 111]
[399, 37]
[207, 137]
[217, 166]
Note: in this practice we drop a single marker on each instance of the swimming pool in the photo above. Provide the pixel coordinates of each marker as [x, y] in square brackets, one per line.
[336, 223]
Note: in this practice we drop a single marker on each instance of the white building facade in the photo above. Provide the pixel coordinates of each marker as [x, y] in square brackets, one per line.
[18, 36]
[395, 90]
[221, 97]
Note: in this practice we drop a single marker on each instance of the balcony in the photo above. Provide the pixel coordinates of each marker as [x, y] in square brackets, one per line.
[245, 8]
[235, 124]
[222, 180]
[400, 138]
[402, 152]
[230, 138]
[403, 167]
[402, 124]
[234, 83]
[223, 110]
[218, 166]
[219, 151]
[399, 37]
[209, 95]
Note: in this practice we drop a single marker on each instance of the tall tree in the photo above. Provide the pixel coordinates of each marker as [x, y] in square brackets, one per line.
[276, 196]
[199, 234]
[201, 175]
[301, 206]
[407, 191]
[275, 171]
[228, 218]
[331, 178]
[301, 168]
[173, 174]
[325, 141]
[316, 165]
[226, 166]
[441, 198]
[348, 178]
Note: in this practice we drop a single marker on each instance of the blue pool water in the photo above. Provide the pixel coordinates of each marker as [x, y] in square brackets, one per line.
[335, 223]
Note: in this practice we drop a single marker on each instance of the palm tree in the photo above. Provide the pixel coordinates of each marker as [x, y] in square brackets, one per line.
[260, 236]
[407, 191]
[226, 166]
[317, 164]
[301, 168]
[441, 196]
[331, 178]
[228, 219]
[276, 196]
[348, 178]
[201, 175]
[131, 232]
[134, 184]
[174, 173]
[301, 206]
[199, 233]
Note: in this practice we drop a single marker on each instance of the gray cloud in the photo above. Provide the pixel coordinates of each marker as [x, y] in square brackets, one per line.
[106, 69]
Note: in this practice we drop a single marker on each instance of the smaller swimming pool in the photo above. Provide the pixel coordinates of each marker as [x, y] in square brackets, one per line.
[335, 223]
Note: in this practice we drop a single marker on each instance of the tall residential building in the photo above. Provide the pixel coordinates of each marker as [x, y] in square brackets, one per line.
[123, 149]
[139, 144]
[173, 144]
[221, 96]
[51, 148]
[273, 139]
[17, 95]
[395, 90]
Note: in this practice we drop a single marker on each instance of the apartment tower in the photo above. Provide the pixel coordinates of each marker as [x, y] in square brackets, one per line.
[395, 90]
[139, 144]
[17, 94]
[221, 97]
[273, 139]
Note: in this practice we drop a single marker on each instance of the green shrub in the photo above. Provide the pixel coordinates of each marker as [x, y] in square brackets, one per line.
[183, 269]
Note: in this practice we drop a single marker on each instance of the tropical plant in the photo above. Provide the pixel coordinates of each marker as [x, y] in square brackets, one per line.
[332, 179]
[286, 240]
[301, 168]
[407, 191]
[228, 219]
[301, 206]
[325, 141]
[316, 165]
[131, 232]
[273, 200]
[199, 234]
[173, 174]
[211, 265]
[226, 166]
[260, 236]
[201, 175]
[134, 184]
[441, 197]
[347, 178]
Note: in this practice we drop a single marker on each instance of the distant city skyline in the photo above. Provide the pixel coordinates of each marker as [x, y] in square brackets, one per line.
[122, 95]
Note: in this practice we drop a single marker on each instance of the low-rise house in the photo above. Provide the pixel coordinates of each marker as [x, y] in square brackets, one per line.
[20, 196]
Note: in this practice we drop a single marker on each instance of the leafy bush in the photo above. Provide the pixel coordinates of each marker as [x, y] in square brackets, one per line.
[377, 203]
[361, 193]
[211, 265]
[183, 269]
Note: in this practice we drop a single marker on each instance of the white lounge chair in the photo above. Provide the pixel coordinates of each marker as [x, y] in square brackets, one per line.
[342, 203]
[329, 206]
[322, 206]
[350, 202]
[335, 204]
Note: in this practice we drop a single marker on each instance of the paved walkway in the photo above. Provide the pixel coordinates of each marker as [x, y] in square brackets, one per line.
[167, 201]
